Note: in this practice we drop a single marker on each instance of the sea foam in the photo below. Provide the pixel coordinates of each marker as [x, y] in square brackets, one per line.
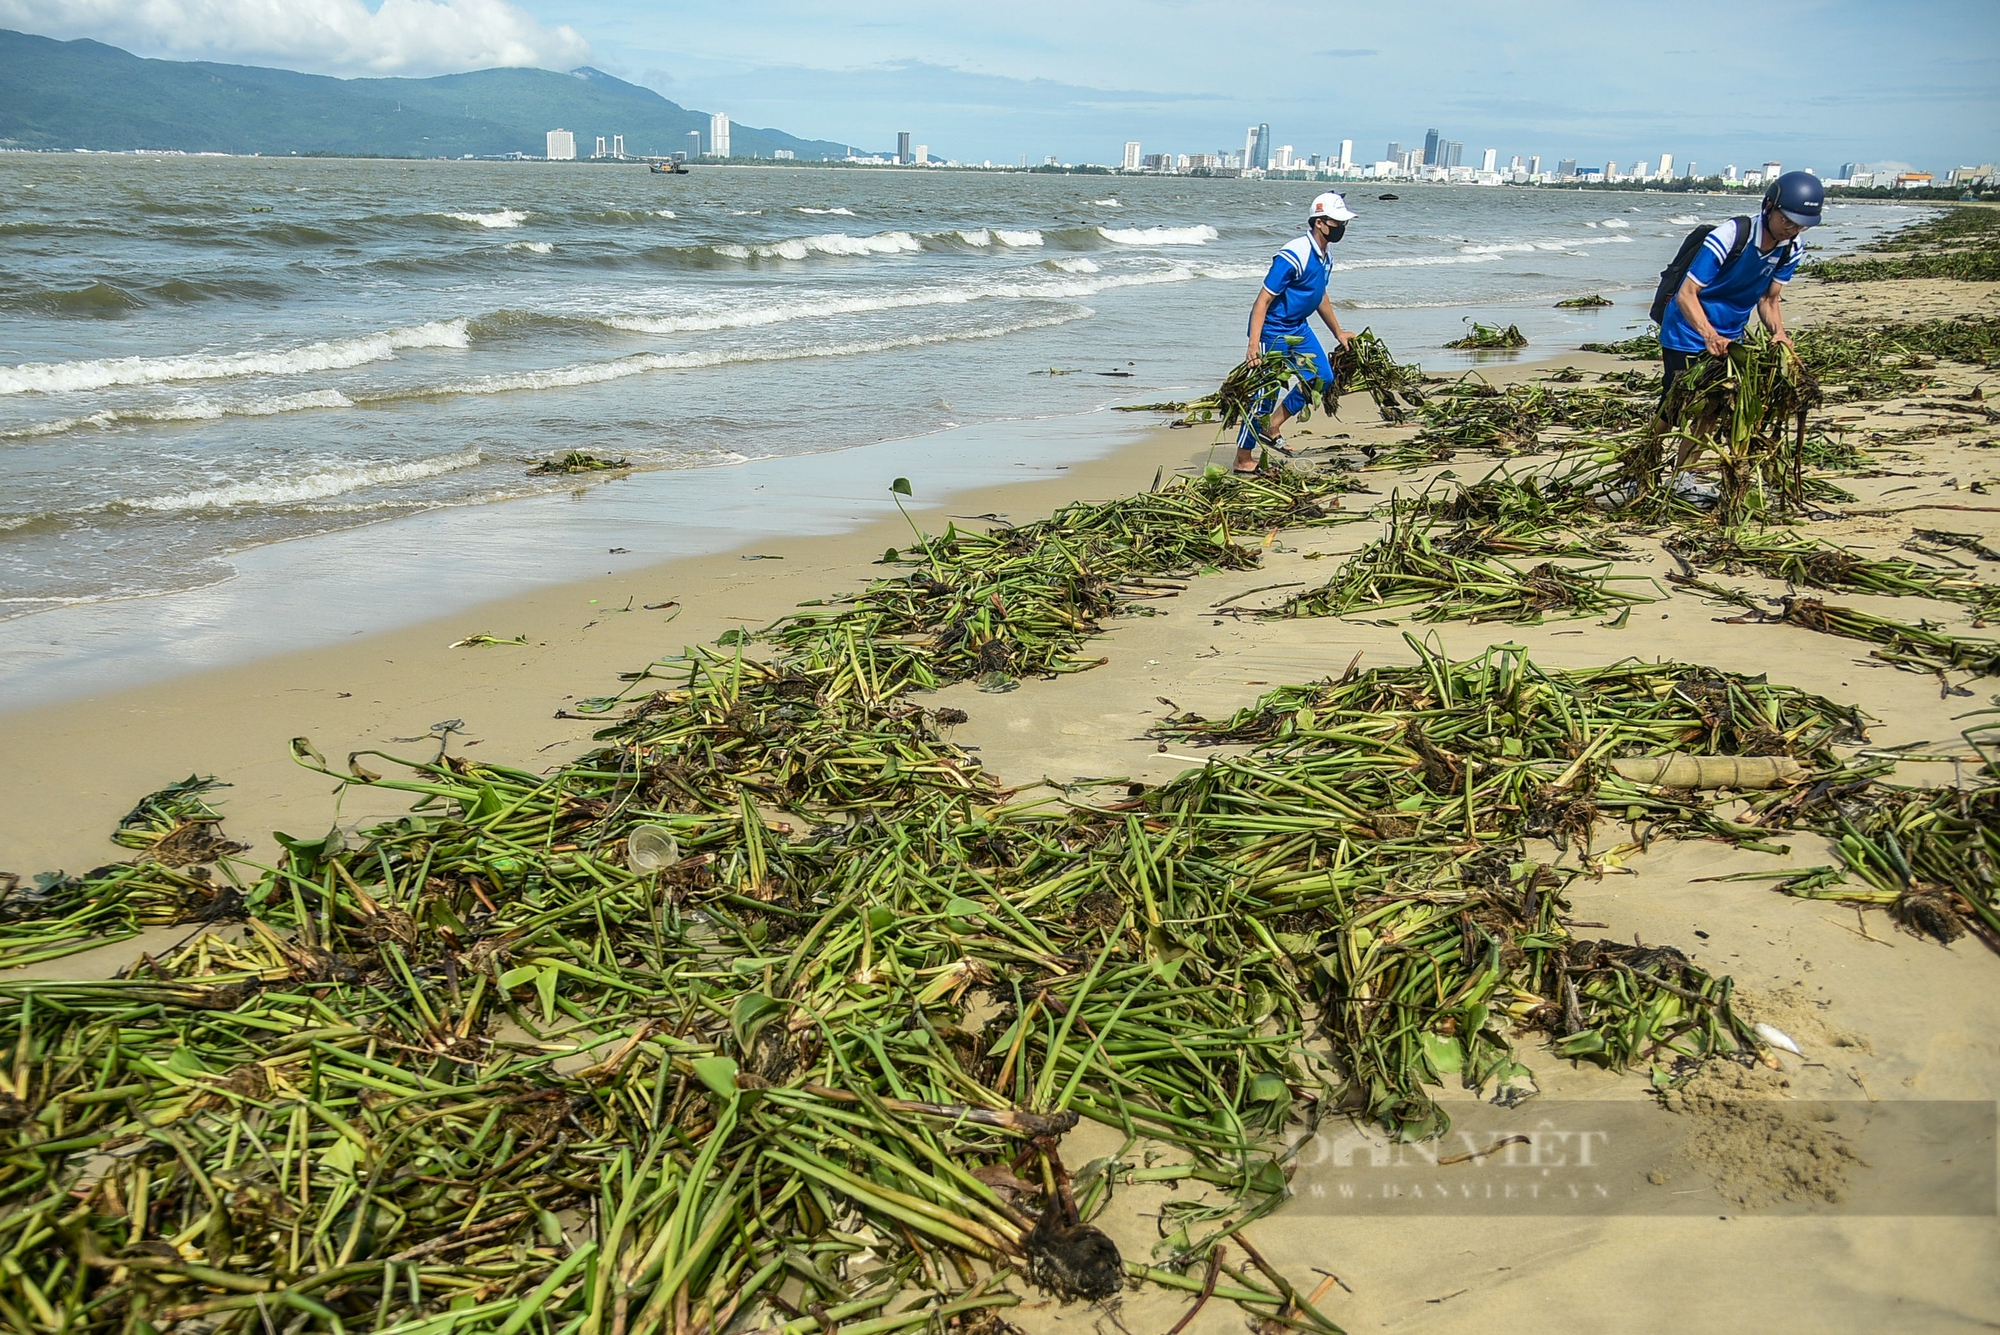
[314, 486]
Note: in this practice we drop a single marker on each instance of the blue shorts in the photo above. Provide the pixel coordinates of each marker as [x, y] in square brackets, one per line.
[1320, 372]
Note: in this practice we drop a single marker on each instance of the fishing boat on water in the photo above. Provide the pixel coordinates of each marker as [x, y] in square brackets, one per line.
[670, 168]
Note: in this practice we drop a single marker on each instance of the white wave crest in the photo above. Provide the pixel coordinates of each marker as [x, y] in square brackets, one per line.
[845, 213]
[1414, 262]
[333, 355]
[829, 243]
[1026, 238]
[497, 218]
[1111, 203]
[1159, 236]
[310, 487]
[597, 373]
[1048, 288]
[1614, 222]
[1684, 219]
[975, 236]
[666, 213]
[532, 247]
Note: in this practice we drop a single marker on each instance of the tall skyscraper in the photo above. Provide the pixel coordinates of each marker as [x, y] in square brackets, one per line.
[1431, 146]
[1257, 146]
[1772, 171]
[562, 146]
[694, 143]
[1395, 153]
[718, 135]
[1131, 155]
[1490, 160]
[1347, 152]
[1535, 165]
[1666, 164]
[1566, 169]
[617, 145]
[902, 146]
[1283, 159]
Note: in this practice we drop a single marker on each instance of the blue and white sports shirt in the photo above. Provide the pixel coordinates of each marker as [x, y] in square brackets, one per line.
[1297, 282]
[1730, 297]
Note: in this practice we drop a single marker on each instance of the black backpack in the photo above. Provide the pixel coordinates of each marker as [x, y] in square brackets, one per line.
[1676, 273]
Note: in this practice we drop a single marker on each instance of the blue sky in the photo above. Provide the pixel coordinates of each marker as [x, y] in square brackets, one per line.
[1809, 82]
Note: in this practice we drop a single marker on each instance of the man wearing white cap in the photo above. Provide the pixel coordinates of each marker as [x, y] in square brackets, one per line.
[1293, 291]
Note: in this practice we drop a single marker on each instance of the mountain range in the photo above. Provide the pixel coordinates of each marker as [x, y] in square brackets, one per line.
[85, 94]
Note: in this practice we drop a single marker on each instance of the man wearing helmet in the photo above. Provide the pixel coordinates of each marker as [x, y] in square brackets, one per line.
[1294, 290]
[1713, 306]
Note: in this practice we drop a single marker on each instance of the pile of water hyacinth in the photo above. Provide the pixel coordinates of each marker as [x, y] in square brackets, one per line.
[771, 1011]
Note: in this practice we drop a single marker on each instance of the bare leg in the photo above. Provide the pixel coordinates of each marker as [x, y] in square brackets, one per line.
[1247, 458]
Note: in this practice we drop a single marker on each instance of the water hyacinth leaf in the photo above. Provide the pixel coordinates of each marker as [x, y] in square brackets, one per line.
[718, 1074]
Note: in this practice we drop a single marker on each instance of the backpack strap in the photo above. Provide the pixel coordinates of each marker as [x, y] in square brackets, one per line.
[1736, 247]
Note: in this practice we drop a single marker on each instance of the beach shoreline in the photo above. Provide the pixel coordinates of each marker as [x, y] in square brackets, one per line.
[1892, 1016]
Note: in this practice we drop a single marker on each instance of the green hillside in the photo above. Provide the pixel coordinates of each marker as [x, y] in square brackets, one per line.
[85, 94]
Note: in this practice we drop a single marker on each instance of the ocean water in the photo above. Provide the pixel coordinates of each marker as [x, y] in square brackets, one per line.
[199, 356]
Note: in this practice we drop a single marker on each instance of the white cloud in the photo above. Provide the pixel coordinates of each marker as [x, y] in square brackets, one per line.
[417, 37]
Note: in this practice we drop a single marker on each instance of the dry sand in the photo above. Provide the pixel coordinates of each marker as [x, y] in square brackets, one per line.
[1881, 1016]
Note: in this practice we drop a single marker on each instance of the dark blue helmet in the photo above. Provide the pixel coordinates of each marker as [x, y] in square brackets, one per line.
[1799, 196]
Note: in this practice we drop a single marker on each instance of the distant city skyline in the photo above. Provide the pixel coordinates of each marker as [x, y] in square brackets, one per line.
[1910, 83]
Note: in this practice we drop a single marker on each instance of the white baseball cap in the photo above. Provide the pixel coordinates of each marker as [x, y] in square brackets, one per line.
[1331, 205]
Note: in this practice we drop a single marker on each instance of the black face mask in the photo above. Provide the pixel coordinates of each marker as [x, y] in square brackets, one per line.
[1339, 230]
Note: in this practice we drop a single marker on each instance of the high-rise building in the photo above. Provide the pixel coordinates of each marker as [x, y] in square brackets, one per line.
[1772, 171]
[603, 150]
[617, 145]
[1666, 165]
[1490, 160]
[1283, 161]
[1132, 155]
[1431, 142]
[923, 153]
[562, 146]
[902, 146]
[1611, 171]
[1395, 150]
[718, 135]
[1453, 151]
[1535, 165]
[694, 143]
[1515, 165]
[1347, 152]
[1689, 173]
[1566, 169]
[1257, 147]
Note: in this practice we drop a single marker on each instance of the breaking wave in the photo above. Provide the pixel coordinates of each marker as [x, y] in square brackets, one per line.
[200, 410]
[829, 243]
[497, 218]
[1159, 236]
[332, 355]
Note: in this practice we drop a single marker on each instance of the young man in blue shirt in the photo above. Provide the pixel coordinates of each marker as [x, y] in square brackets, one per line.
[1712, 308]
[1293, 292]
